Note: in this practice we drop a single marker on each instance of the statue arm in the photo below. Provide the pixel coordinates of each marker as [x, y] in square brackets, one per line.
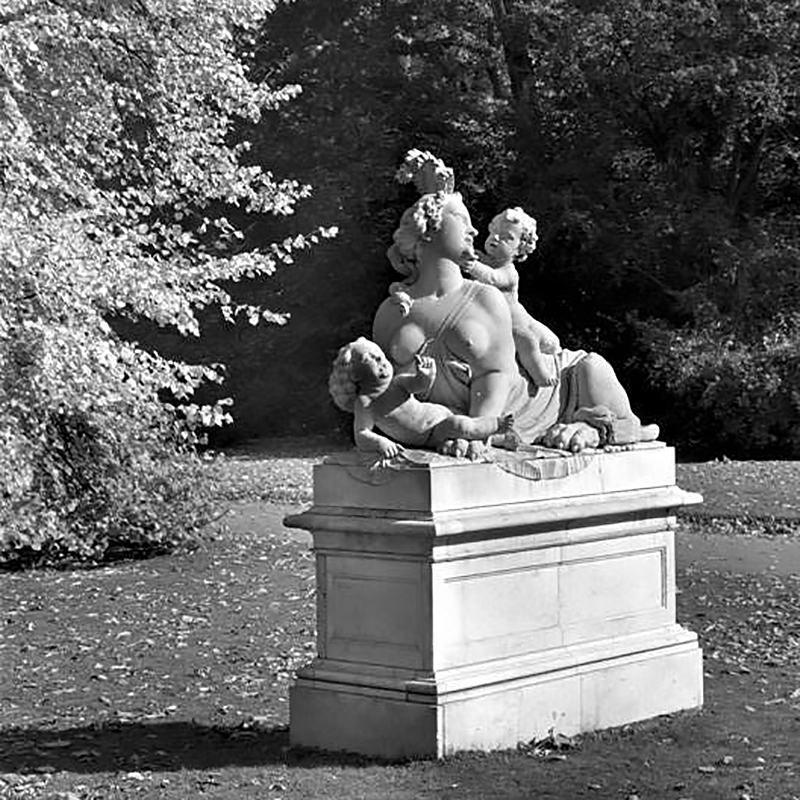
[504, 278]
[488, 393]
[533, 329]
[547, 340]
[387, 318]
[421, 380]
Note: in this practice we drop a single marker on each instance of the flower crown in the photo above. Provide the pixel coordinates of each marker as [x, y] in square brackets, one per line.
[435, 182]
[429, 174]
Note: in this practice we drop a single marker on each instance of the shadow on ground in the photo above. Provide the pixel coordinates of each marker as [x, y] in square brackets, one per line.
[165, 746]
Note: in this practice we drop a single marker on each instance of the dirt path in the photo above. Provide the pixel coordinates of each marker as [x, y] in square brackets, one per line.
[742, 555]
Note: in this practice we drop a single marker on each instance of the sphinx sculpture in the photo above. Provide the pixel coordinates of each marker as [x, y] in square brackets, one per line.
[563, 399]
[474, 605]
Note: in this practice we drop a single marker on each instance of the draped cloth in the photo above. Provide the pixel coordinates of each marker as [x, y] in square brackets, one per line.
[535, 408]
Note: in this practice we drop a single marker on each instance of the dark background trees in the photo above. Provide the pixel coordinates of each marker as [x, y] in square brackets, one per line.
[656, 143]
[151, 167]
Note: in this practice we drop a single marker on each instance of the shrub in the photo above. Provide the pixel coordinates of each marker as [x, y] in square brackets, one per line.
[723, 395]
[99, 488]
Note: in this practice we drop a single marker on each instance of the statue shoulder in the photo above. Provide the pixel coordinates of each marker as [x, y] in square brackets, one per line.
[490, 298]
[387, 320]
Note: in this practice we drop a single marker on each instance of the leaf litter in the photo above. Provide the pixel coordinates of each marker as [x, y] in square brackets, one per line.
[753, 498]
[117, 677]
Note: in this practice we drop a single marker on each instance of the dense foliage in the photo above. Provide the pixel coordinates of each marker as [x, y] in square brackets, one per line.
[122, 194]
[658, 144]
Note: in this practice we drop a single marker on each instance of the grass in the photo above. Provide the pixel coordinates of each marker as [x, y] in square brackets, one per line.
[169, 678]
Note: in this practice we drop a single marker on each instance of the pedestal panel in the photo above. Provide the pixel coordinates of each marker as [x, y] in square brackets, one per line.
[377, 611]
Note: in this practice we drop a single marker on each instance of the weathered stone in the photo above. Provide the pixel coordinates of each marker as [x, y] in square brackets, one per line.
[478, 605]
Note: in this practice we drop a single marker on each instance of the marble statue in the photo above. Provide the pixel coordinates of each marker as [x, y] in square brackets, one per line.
[466, 327]
[474, 605]
[364, 382]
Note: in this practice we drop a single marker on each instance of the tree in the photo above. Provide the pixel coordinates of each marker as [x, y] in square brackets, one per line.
[673, 131]
[123, 192]
[656, 143]
[379, 77]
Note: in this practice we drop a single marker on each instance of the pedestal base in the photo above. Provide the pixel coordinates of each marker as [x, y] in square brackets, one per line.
[592, 693]
[483, 608]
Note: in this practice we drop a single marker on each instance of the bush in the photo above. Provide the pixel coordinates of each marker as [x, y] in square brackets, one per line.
[722, 395]
[95, 489]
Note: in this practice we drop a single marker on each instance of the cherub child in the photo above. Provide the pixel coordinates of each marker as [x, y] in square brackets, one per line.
[512, 237]
[364, 383]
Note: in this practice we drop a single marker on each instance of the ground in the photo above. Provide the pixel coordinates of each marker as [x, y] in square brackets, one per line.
[168, 678]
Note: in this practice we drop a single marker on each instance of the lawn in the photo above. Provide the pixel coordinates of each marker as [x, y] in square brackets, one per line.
[168, 678]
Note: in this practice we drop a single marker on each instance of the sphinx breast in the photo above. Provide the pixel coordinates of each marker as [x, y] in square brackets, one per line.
[406, 342]
[470, 339]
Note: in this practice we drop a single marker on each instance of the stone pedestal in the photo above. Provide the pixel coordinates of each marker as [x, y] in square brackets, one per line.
[478, 605]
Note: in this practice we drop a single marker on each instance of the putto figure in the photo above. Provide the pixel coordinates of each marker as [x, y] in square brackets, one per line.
[363, 382]
[466, 327]
[512, 238]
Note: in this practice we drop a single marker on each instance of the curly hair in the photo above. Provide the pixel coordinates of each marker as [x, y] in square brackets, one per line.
[341, 384]
[527, 225]
[418, 222]
[348, 374]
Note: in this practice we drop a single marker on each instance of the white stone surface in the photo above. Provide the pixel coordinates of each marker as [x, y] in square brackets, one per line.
[438, 483]
[484, 624]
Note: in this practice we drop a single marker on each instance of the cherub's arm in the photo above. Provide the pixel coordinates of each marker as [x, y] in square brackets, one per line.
[504, 278]
[548, 341]
[368, 439]
[524, 324]
[421, 380]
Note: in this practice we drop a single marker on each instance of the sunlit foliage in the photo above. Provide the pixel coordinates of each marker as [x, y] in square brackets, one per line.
[122, 193]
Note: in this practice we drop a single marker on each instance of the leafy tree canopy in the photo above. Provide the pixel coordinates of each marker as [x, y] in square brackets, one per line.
[122, 192]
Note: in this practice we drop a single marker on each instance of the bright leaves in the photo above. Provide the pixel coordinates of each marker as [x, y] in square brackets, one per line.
[122, 192]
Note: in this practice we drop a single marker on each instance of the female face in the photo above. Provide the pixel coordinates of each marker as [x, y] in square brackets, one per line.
[455, 235]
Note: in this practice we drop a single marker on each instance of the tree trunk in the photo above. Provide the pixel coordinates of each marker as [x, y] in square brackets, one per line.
[515, 36]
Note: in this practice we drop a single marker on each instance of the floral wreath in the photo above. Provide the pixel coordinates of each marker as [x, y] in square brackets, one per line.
[429, 174]
[434, 181]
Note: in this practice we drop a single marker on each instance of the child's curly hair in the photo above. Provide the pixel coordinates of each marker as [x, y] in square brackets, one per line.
[350, 375]
[527, 225]
[341, 384]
